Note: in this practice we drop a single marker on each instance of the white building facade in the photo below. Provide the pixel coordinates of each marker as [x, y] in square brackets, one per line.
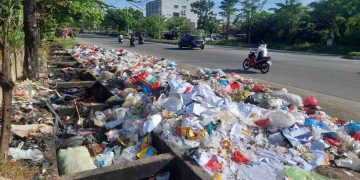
[171, 8]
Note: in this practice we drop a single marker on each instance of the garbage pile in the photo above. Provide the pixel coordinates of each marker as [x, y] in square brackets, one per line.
[32, 126]
[233, 127]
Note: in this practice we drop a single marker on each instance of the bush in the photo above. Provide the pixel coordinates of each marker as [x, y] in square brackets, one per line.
[354, 54]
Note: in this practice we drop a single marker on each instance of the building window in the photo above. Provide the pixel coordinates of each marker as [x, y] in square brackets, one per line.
[176, 6]
[183, 7]
[175, 14]
[183, 13]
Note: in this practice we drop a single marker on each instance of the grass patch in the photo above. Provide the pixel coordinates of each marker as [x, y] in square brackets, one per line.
[232, 42]
[64, 42]
[354, 54]
[16, 171]
[161, 40]
[43, 52]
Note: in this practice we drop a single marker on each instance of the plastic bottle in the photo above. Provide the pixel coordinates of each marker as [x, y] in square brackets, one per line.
[149, 80]
[18, 153]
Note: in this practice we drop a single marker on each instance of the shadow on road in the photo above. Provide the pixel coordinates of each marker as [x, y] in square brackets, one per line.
[239, 71]
[175, 48]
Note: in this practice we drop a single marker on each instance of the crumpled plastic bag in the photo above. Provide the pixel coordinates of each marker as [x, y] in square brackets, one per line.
[281, 119]
[150, 124]
[291, 98]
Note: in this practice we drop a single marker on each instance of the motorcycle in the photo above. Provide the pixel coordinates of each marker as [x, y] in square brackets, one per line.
[132, 42]
[120, 41]
[251, 62]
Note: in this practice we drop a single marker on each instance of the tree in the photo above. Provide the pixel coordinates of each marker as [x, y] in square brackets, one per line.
[154, 25]
[177, 25]
[330, 16]
[228, 9]
[287, 18]
[248, 11]
[203, 9]
[10, 14]
[31, 41]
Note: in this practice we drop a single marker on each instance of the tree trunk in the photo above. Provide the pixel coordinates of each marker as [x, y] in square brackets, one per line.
[31, 41]
[249, 34]
[227, 27]
[6, 85]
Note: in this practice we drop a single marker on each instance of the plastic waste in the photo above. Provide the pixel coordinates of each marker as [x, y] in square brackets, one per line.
[263, 122]
[32, 154]
[311, 101]
[214, 165]
[356, 136]
[149, 80]
[291, 98]
[174, 102]
[129, 153]
[147, 152]
[68, 164]
[103, 160]
[239, 158]
[352, 127]
[312, 122]
[150, 124]
[297, 173]
[280, 119]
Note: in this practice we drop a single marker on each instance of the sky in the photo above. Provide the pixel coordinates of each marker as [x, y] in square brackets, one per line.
[269, 4]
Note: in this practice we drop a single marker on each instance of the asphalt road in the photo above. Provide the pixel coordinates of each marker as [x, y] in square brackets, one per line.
[330, 75]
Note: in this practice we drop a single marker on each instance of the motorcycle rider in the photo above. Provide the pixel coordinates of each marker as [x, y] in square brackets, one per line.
[132, 40]
[141, 40]
[261, 51]
[121, 37]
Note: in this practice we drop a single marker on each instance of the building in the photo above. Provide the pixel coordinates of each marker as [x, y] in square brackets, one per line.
[173, 8]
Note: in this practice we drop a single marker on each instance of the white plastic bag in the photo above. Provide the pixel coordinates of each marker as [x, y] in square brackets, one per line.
[291, 98]
[18, 153]
[281, 119]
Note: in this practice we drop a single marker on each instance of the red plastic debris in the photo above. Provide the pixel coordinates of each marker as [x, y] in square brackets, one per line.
[263, 122]
[235, 85]
[149, 80]
[292, 108]
[257, 89]
[239, 158]
[311, 101]
[214, 165]
[332, 142]
[356, 136]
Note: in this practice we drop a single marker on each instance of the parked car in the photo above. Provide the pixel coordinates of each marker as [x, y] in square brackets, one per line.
[191, 42]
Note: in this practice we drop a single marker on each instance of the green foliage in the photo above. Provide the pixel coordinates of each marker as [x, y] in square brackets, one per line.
[228, 9]
[207, 18]
[64, 42]
[154, 25]
[354, 54]
[84, 14]
[177, 25]
[11, 21]
[248, 11]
